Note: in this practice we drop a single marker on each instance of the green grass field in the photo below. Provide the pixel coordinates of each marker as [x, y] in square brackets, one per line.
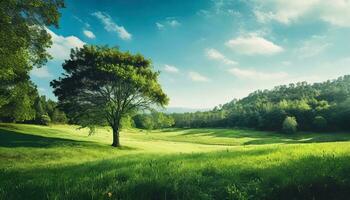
[62, 162]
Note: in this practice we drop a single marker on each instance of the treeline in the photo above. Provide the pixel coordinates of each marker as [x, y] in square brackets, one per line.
[154, 120]
[302, 106]
[41, 111]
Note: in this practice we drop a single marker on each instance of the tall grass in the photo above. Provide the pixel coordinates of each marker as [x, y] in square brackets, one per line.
[61, 162]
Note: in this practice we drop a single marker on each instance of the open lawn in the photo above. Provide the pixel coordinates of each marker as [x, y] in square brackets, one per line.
[62, 162]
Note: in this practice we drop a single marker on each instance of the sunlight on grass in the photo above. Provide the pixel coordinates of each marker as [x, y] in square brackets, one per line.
[63, 162]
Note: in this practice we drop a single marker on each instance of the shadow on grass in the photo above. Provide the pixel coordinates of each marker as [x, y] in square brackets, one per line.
[175, 177]
[14, 138]
[10, 138]
[337, 137]
[265, 137]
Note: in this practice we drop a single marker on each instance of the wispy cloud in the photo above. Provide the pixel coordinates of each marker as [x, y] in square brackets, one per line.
[89, 34]
[195, 76]
[256, 75]
[312, 47]
[253, 44]
[335, 12]
[111, 26]
[174, 23]
[87, 25]
[160, 26]
[62, 45]
[214, 54]
[171, 69]
[168, 22]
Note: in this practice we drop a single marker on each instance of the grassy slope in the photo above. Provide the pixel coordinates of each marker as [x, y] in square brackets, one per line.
[61, 162]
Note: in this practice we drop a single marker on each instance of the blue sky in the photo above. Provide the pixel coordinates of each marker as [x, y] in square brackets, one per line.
[211, 51]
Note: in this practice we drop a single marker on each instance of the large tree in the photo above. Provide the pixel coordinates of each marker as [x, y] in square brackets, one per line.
[101, 85]
[23, 45]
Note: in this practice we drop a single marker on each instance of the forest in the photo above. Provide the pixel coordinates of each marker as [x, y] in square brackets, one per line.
[315, 107]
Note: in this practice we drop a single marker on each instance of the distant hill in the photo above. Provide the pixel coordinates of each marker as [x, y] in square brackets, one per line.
[321, 106]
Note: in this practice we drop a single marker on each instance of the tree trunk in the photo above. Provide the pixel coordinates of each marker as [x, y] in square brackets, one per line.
[116, 137]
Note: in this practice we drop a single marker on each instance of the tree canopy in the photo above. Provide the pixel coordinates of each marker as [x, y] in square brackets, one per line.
[23, 45]
[101, 85]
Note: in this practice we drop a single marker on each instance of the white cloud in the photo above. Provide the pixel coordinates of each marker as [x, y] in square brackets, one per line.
[160, 26]
[111, 26]
[61, 45]
[286, 63]
[283, 11]
[195, 76]
[335, 12]
[214, 54]
[313, 47]
[171, 69]
[89, 34]
[41, 72]
[263, 17]
[253, 44]
[168, 22]
[256, 75]
[174, 23]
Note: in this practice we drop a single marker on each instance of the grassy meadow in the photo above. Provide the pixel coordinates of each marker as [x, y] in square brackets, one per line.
[63, 162]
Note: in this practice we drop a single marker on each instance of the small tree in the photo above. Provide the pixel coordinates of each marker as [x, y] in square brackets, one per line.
[58, 116]
[127, 122]
[147, 122]
[45, 120]
[290, 125]
[102, 85]
[320, 123]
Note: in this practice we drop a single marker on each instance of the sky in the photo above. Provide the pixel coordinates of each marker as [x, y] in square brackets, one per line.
[211, 51]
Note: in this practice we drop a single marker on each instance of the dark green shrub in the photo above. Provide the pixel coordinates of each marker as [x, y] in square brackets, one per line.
[320, 123]
[290, 125]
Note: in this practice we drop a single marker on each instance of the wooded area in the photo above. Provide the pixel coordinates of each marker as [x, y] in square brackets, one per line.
[315, 107]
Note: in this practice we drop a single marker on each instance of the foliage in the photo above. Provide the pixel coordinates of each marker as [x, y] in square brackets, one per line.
[45, 120]
[214, 118]
[154, 120]
[58, 116]
[19, 106]
[144, 122]
[267, 109]
[320, 123]
[23, 45]
[48, 108]
[290, 125]
[127, 122]
[101, 85]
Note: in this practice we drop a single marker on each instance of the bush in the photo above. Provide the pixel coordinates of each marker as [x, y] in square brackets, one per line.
[320, 123]
[147, 122]
[127, 122]
[58, 117]
[45, 120]
[290, 125]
